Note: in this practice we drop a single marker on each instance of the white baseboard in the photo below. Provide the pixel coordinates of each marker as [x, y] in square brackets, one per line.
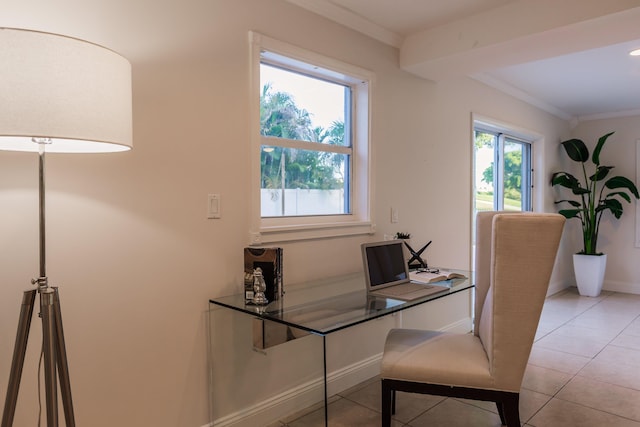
[555, 287]
[609, 285]
[310, 393]
[624, 287]
[462, 326]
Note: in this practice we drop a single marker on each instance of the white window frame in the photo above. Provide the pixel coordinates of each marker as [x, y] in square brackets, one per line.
[498, 179]
[536, 156]
[359, 220]
[507, 131]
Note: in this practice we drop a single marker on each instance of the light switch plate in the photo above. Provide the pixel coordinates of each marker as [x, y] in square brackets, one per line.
[213, 206]
[394, 215]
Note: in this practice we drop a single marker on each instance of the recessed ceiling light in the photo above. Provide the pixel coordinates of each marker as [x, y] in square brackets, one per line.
[635, 52]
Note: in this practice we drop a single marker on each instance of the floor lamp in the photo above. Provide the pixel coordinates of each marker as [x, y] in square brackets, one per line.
[57, 95]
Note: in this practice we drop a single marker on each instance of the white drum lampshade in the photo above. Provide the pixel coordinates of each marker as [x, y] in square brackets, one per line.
[74, 94]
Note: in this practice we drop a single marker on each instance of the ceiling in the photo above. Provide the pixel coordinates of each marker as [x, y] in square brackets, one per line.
[577, 69]
[567, 57]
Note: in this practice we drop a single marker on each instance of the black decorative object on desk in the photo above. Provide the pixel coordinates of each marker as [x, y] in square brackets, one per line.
[416, 260]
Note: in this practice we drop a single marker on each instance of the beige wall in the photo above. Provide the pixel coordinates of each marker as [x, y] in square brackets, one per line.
[137, 260]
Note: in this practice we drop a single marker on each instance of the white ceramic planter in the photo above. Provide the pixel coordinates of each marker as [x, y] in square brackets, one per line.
[589, 271]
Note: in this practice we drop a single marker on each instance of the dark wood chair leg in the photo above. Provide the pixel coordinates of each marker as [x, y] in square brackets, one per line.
[387, 403]
[393, 402]
[501, 413]
[511, 410]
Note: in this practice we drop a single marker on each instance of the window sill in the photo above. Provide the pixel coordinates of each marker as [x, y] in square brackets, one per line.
[292, 233]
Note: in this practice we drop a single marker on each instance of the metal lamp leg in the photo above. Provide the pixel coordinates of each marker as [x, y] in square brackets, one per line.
[55, 358]
[63, 366]
[17, 363]
[49, 349]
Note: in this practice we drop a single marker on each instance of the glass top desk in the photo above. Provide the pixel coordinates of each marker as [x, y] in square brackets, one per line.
[326, 306]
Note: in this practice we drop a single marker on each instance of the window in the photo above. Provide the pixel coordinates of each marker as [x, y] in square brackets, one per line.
[502, 169]
[306, 149]
[502, 164]
[310, 145]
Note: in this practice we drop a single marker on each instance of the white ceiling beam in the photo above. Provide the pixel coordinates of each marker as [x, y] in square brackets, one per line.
[351, 20]
[519, 32]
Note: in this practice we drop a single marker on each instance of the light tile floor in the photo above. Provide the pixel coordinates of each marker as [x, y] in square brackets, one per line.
[584, 371]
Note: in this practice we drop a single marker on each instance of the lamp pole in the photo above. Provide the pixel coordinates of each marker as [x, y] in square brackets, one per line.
[53, 345]
[41, 207]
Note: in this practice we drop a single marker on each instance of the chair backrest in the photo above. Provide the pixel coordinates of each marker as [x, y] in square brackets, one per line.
[513, 269]
[482, 268]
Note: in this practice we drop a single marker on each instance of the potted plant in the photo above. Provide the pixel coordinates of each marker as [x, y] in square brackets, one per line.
[596, 193]
[403, 236]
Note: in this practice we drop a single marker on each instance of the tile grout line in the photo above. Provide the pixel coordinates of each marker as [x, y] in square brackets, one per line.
[554, 396]
[573, 376]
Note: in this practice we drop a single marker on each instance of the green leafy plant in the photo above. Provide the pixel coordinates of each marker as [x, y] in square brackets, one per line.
[597, 193]
[401, 235]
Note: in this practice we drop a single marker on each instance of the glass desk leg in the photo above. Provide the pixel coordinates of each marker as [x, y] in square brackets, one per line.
[324, 368]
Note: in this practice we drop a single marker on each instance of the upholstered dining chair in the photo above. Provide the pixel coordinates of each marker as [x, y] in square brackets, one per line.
[515, 254]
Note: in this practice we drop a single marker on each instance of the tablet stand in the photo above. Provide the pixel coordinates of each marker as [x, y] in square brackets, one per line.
[416, 256]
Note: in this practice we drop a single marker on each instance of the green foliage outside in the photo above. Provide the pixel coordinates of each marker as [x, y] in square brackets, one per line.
[484, 139]
[484, 202]
[512, 177]
[281, 117]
